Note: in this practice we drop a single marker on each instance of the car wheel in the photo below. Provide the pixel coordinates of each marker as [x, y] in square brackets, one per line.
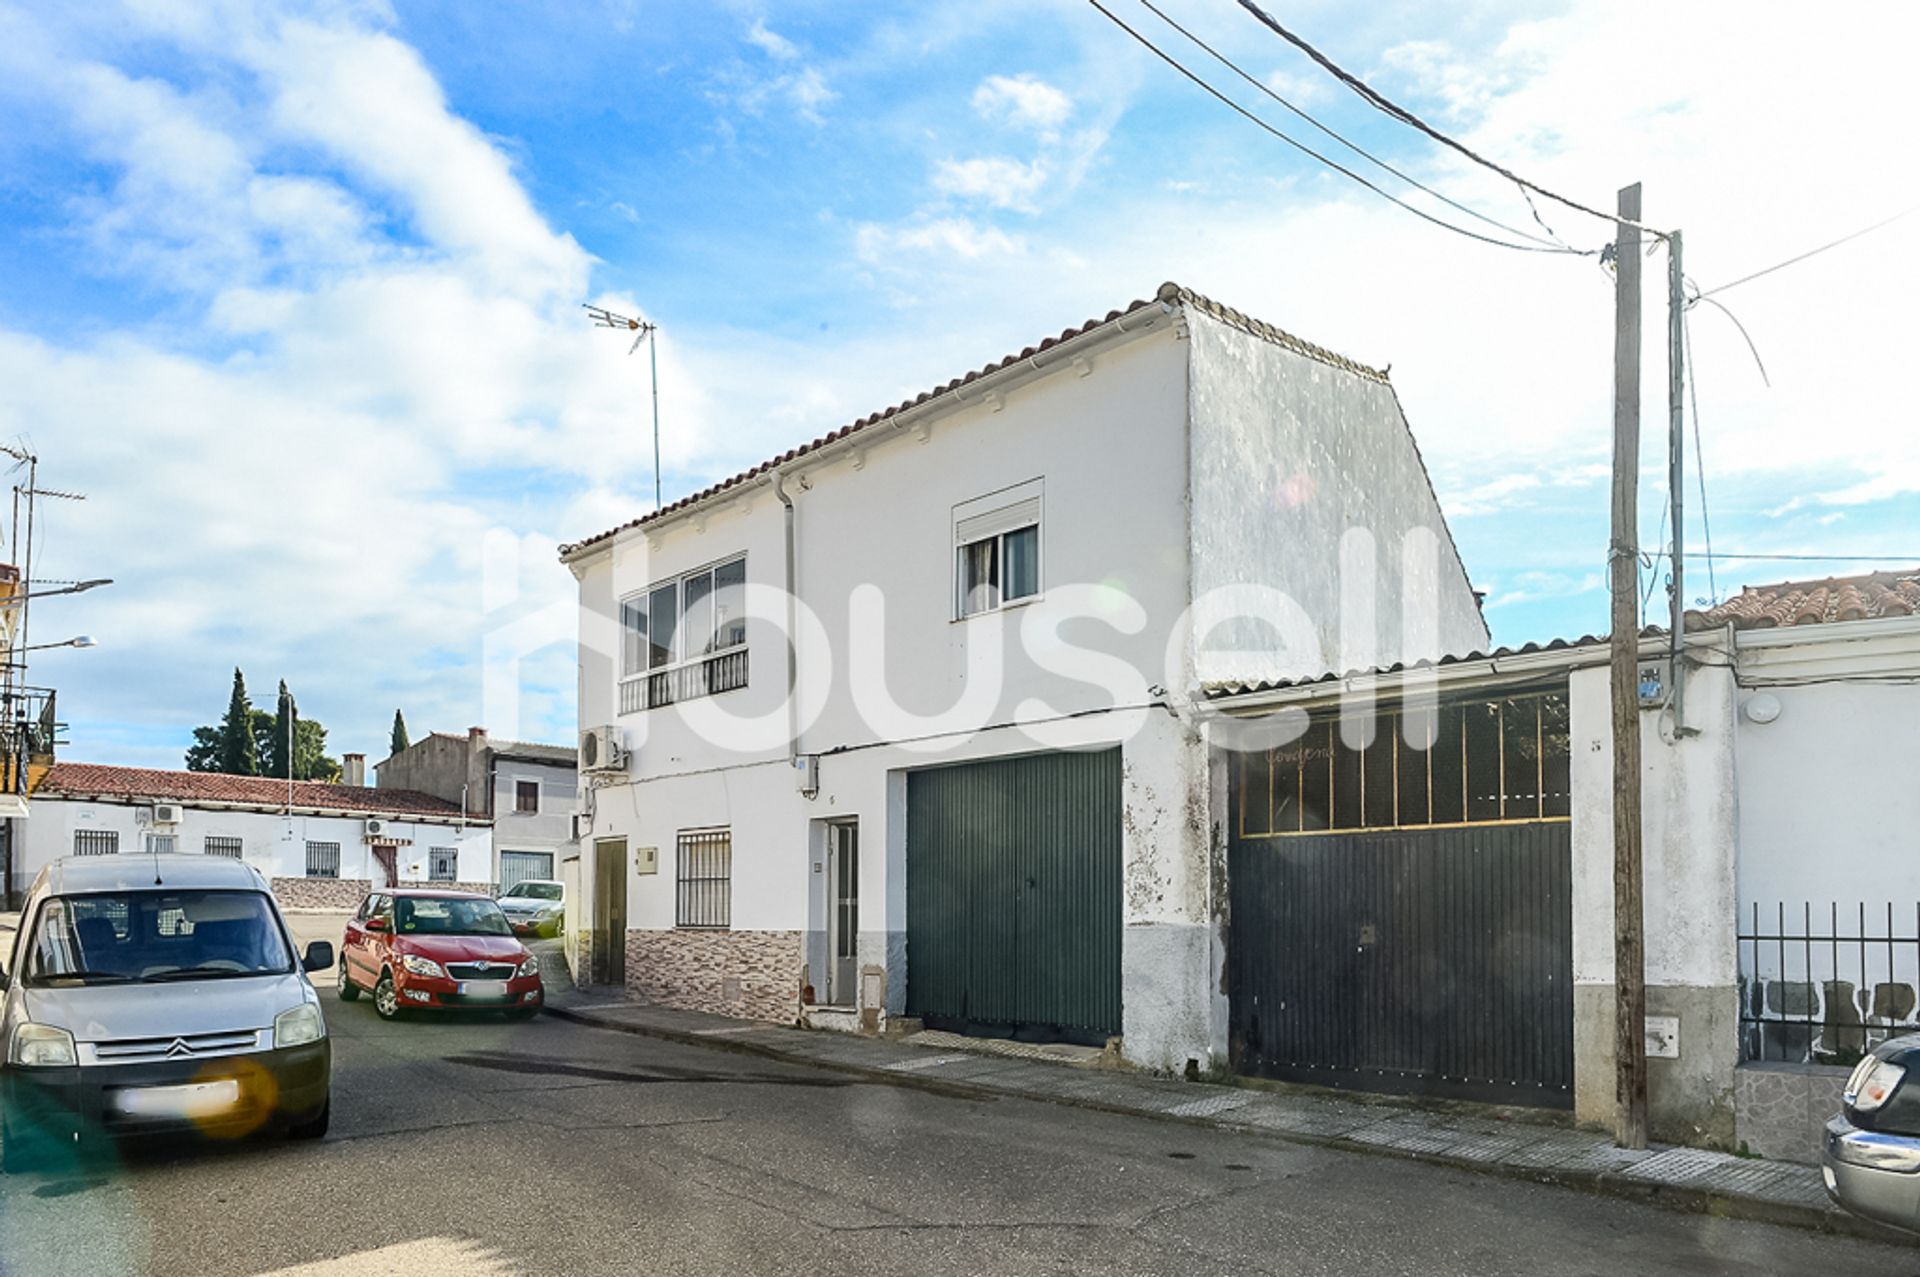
[314, 1128]
[386, 998]
[349, 991]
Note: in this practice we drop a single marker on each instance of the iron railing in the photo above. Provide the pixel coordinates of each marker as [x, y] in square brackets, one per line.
[218, 845]
[721, 672]
[323, 860]
[96, 842]
[1826, 987]
[704, 886]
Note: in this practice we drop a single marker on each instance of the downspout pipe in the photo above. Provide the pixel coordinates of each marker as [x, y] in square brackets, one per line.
[793, 635]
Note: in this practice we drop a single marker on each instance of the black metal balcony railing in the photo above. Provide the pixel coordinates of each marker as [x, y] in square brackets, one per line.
[1827, 989]
[28, 732]
[721, 672]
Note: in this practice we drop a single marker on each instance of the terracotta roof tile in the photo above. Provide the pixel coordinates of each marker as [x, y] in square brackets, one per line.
[1852, 598]
[83, 780]
[1168, 294]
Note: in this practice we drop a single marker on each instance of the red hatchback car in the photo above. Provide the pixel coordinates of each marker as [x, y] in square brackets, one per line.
[437, 951]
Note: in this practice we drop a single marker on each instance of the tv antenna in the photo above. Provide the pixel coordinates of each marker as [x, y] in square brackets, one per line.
[643, 331]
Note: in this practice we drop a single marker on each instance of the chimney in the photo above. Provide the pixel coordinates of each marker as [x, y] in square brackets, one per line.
[353, 769]
[479, 773]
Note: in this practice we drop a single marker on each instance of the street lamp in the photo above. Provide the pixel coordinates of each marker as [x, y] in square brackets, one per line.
[78, 587]
[78, 640]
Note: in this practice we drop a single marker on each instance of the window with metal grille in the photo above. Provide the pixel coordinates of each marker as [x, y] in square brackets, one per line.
[323, 860]
[217, 846]
[443, 864]
[96, 842]
[704, 897]
[1462, 762]
[162, 844]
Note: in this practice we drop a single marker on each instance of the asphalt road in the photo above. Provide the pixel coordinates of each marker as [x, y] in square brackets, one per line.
[481, 1148]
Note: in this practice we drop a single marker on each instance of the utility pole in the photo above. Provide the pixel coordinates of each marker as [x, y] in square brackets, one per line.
[1629, 942]
[1677, 476]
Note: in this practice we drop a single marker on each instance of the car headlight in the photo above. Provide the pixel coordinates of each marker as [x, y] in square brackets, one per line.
[299, 1025]
[418, 965]
[531, 966]
[1872, 1084]
[41, 1045]
[549, 911]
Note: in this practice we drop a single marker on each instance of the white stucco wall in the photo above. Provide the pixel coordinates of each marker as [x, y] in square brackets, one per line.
[273, 843]
[1294, 459]
[1688, 815]
[1829, 801]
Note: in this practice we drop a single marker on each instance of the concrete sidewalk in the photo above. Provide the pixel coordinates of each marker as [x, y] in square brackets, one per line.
[1500, 1142]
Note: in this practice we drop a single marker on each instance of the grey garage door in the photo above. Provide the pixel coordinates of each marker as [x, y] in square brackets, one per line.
[523, 866]
[1013, 897]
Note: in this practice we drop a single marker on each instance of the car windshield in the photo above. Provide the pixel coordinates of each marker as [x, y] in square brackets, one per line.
[153, 936]
[433, 916]
[536, 891]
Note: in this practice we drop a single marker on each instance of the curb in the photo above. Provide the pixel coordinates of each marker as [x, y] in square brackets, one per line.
[1674, 1197]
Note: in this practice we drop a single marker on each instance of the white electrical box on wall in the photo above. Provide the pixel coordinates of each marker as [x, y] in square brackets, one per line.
[1663, 1037]
[646, 860]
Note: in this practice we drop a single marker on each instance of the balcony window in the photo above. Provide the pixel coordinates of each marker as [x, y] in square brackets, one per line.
[685, 638]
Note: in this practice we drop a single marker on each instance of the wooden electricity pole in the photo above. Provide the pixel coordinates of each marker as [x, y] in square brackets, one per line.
[1629, 942]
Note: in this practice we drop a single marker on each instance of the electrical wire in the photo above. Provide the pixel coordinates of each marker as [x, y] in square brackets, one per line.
[1355, 147]
[1807, 558]
[1302, 147]
[1699, 453]
[1397, 112]
[1811, 252]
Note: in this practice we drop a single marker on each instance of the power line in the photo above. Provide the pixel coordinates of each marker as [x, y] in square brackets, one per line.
[1395, 111]
[1807, 558]
[1811, 252]
[1699, 452]
[1302, 147]
[1355, 147]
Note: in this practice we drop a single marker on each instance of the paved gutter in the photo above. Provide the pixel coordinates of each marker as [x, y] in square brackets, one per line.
[1684, 1179]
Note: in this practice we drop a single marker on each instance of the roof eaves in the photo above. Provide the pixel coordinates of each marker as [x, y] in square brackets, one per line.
[1168, 296]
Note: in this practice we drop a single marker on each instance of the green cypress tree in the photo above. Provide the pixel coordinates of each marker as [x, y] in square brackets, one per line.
[399, 741]
[279, 761]
[237, 754]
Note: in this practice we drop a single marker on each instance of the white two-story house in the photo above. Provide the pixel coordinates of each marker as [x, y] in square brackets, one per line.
[973, 789]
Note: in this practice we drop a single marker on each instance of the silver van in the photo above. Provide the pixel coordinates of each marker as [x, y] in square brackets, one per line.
[156, 995]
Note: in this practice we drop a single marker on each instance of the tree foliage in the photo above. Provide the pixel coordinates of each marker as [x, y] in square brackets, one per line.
[399, 739]
[262, 750]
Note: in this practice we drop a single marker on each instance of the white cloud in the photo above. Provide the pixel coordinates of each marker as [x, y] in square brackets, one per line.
[946, 236]
[997, 179]
[771, 43]
[1022, 100]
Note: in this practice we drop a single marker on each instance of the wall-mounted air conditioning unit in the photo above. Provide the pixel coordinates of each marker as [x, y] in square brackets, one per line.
[601, 750]
[166, 813]
[374, 829]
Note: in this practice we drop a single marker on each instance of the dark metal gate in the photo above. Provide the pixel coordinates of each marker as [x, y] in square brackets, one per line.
[1013, 897]
[1426, 961]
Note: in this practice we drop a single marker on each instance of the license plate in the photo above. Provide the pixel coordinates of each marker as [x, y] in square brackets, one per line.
[194, 1099]
[483, 988]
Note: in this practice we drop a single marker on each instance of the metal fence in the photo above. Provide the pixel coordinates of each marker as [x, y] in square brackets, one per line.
[1825, 986]
[216, 845]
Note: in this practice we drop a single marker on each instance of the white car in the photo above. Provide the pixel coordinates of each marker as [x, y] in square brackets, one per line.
[536, 907]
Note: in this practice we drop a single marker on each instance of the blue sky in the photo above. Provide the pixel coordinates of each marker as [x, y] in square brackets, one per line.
[291, 290]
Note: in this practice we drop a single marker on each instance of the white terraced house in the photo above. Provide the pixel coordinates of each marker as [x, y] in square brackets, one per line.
[976, 789]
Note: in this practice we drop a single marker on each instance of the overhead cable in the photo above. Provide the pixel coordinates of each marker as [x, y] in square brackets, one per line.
[1302, 147]
[1395, 111]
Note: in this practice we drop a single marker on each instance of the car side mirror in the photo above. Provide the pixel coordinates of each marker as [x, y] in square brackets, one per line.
[319, 956]
[375, 924]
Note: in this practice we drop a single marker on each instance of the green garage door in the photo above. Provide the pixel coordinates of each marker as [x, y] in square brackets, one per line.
[1013, 897]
